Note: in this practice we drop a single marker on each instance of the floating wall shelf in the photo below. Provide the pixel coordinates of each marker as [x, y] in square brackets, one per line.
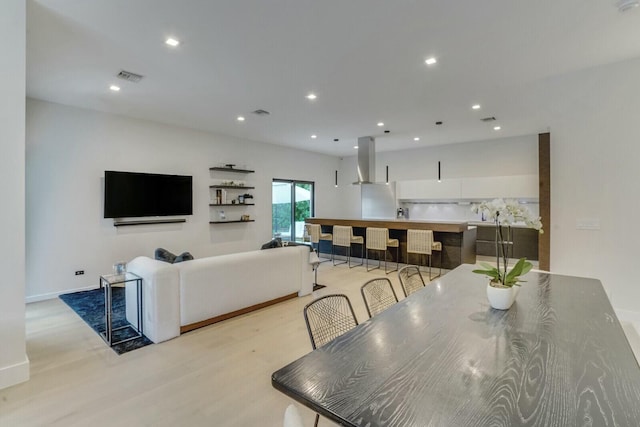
[237, 187]
[232, 221]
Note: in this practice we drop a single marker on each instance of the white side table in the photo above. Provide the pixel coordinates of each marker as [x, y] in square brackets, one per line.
[107, 282]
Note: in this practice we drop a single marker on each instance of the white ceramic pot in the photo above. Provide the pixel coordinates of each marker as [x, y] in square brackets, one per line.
[501, 298]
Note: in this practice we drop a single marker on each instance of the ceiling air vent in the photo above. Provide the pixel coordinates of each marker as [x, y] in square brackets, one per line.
[261, 112]
[129, 76]
[489, 119]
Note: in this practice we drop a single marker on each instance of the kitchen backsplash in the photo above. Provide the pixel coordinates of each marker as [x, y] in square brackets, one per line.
[450, 211]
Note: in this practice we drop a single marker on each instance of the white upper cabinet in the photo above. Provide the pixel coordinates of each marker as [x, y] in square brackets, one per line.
[478, 188]
[492, 187]
[424, 189]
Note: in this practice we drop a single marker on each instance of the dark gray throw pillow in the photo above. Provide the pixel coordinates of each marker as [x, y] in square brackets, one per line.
[162, 254]
[275, 243]
[184, 256]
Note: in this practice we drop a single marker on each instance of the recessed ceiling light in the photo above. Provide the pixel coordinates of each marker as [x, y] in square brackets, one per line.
[240, 119]
[416, 139]
[314, 136]
[114, 88]
[172, 42]
[430, 61]
[355, 146]
[475, 106]
[497, 128]
[311, 96]
[380, 124]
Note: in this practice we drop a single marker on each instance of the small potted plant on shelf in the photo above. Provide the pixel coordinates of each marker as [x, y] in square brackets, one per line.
[503, 283]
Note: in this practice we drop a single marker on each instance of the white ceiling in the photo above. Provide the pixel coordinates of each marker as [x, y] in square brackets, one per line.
[363, 58]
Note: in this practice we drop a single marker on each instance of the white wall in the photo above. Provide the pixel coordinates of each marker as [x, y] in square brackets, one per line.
[14, 365]
[595, 173]
[68, 150]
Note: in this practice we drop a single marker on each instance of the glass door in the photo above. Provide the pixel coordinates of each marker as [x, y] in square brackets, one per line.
[291, 204]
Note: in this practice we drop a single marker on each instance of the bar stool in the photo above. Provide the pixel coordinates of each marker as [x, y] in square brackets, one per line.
[378, 240]
[343, 236]
[421, 242]
[315, 235]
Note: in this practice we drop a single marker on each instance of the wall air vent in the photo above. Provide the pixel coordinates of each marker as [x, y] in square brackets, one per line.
[489, 119]
[261, 112]
[129, 76]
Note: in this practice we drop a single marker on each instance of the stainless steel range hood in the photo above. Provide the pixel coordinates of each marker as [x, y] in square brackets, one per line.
[366, 160]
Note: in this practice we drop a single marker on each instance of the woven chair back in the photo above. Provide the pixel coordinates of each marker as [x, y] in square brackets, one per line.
[378, 295]
[410, 279]
[342, 235]
[377, 238]
[419, 241]
[328, 317]
[313, 230]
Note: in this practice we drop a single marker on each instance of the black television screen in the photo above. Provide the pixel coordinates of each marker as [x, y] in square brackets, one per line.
[133, 194]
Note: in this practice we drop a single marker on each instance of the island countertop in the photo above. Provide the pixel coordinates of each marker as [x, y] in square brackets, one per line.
[396, 224]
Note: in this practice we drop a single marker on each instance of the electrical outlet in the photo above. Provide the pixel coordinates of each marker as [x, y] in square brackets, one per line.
[79, 272]
[588, 224]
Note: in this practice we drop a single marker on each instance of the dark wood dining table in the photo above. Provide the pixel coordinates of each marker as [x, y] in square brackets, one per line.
[444, 357]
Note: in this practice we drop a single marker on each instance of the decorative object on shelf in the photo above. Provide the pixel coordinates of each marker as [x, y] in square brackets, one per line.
[222, 215]
[230, 165]
[500, 290]
[245, 218]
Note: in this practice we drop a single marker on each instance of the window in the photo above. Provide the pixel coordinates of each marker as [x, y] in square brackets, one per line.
[292, 202]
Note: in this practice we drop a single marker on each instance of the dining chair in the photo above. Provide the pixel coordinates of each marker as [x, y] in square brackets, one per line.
[378, 295]
[327, 318]
[410, 279]
[292, 417]
[378, 240]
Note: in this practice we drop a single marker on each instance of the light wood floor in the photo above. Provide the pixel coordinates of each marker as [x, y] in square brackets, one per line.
[219, 375]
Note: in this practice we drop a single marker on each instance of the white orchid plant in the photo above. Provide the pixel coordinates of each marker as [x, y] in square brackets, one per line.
[505, 213]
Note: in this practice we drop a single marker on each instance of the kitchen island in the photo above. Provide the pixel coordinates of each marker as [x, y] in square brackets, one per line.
[457, 237]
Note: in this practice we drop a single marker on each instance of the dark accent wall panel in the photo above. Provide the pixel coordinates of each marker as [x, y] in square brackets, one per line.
[544, 194]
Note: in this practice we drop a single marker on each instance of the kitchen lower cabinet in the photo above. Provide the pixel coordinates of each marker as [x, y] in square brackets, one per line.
[523, 244]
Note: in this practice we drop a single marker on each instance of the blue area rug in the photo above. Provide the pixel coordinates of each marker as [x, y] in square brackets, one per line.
[89, 305]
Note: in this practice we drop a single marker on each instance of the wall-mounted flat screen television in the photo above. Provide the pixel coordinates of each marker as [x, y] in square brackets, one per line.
[133, 194]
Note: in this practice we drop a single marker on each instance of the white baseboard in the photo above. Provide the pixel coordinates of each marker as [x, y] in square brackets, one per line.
[52, 295]
[14, 374]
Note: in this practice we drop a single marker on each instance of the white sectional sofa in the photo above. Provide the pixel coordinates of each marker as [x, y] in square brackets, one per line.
[184, 296]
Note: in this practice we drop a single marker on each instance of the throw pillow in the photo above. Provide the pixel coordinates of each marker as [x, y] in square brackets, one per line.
[184, 256]
[275, 243]
[162, 254]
